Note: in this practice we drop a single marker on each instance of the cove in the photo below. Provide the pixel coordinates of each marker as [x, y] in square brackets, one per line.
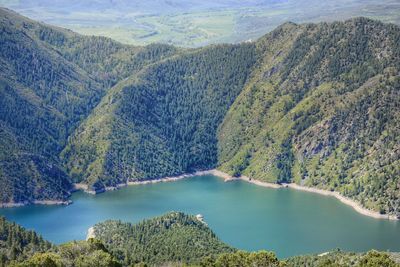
[246, 216]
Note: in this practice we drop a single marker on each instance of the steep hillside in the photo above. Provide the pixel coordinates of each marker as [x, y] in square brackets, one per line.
[173, 237]
[42, 97]
[161, 121]
[50, 80]
[315, 104]
[322, 110]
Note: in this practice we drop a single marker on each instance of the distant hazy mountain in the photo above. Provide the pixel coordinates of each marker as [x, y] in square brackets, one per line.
[315, 104]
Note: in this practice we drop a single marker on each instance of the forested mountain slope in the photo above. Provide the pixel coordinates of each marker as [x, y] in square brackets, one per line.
[315, 104]
[42, 97]
[162, 121]
[50, 80]
[322, 110]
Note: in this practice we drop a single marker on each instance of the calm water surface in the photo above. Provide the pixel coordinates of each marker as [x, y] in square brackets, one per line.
[243, 215]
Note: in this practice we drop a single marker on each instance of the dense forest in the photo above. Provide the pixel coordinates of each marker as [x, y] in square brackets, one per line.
[18, 244]
[50, 80]
[314, 104]
[162, 121]
[174, 239]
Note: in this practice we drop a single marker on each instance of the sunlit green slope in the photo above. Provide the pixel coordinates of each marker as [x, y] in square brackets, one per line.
[322, 110]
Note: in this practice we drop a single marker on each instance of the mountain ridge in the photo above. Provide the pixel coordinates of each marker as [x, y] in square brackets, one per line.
[277, 109]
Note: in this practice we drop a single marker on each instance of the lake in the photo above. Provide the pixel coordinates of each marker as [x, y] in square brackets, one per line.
[244, 215]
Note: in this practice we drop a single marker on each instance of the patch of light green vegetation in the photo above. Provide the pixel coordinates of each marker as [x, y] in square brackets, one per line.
[186, 29]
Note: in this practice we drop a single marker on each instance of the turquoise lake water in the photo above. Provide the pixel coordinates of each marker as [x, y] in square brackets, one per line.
[244, 215]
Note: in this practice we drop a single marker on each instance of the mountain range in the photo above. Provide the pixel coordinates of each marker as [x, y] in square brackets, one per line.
[314, 104]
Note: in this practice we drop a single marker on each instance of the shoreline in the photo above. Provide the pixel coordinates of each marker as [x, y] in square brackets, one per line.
[227, 178]
[35, 202]
[85, 188]
[214, 172]
[255, 182]
[345, 200]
